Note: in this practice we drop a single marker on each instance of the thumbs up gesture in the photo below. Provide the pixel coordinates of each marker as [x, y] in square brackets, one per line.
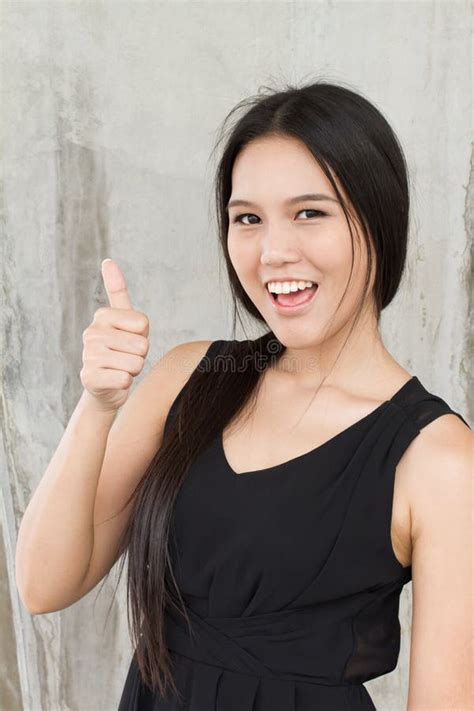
[115, 344]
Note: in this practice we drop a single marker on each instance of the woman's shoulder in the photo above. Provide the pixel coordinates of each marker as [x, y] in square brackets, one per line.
[439, 457]
[446, 435]
[183, 357]
[442, 430]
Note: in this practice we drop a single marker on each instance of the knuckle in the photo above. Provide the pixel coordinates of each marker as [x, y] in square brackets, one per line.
[100, 313]
[143, 321]
[87, 360]
[143, 346]
[138, 364]
[90, 340]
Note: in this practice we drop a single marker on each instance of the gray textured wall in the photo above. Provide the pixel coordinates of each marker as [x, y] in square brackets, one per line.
[110, 111]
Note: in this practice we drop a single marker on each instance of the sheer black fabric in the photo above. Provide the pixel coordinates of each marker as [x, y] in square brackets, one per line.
[288, 573]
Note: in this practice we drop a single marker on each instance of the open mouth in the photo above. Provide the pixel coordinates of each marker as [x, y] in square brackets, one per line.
[293, 298]
[294, 301]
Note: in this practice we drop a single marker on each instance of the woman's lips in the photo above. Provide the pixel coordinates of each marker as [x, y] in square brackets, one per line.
[293, 310]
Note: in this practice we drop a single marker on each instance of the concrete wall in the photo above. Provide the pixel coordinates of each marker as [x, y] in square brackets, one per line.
[110, 112]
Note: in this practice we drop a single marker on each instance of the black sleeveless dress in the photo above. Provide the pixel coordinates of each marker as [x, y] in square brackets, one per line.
[288, 573]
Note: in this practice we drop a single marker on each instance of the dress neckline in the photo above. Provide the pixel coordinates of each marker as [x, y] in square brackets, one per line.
[332, 440]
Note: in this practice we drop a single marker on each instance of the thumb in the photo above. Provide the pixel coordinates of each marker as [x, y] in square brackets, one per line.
[115, 285]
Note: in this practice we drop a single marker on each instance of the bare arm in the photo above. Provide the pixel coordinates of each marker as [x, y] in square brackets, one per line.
[441, 501]
[55, 538]
[69, 535]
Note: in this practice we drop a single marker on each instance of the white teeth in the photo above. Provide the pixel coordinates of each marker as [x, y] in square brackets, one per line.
[284, 287]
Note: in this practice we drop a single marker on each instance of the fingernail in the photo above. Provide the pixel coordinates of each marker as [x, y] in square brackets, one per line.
[106, 260]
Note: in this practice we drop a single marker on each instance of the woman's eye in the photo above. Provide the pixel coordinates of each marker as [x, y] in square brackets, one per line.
[318, 212]
[238, 218]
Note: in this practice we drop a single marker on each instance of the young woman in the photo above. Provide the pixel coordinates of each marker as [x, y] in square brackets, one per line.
[274, 500]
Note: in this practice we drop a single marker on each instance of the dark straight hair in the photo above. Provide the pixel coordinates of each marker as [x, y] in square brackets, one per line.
[350, 139]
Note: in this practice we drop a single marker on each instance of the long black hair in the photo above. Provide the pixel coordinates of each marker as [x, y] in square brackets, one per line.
[350, 138]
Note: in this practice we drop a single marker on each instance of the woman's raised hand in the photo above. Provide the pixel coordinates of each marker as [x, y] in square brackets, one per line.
[115, 344]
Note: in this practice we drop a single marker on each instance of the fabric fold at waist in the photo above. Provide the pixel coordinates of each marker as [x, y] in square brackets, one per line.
[214, 670]
[213, 687]
[304, 645]
[223, 674]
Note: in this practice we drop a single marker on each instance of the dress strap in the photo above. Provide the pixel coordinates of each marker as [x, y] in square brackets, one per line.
[422, 406]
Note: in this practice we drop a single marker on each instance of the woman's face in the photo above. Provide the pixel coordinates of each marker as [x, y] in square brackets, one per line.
[279, 240]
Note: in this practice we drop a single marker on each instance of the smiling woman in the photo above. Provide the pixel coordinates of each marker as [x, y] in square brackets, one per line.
[293, 508]
[297, 481]
[284, 242]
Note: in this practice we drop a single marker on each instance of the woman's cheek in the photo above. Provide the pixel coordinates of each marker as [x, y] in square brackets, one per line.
[242, 256]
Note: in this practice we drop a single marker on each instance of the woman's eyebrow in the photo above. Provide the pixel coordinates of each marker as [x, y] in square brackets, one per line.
[290, 201]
